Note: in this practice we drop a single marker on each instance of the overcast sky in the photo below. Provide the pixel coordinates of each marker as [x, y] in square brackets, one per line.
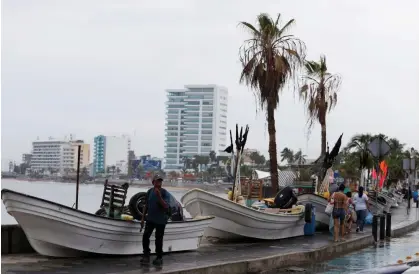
[101, 67]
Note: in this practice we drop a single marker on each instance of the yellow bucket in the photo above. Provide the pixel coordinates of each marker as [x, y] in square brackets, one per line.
[126, 217]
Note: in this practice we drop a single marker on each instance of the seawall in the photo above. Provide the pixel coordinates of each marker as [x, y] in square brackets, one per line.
[14, 241]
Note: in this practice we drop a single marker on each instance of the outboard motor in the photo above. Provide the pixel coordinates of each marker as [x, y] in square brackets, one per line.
[285, 198]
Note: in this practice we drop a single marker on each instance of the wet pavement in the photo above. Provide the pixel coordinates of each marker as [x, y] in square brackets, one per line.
[205, 256]
[382, 254]
[210, 254]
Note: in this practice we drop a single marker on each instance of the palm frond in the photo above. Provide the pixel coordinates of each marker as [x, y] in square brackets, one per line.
[270, 58]
[318, 90]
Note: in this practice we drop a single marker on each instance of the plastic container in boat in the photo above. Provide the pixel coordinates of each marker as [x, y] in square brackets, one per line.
[126, 217]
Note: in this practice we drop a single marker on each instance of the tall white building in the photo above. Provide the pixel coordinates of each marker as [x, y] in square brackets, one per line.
[109, 151]
[196, 123]
[53, 155]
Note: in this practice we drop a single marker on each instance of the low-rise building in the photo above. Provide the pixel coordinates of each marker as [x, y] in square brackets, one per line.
[26, 158]
[58, 155]
[84, 154]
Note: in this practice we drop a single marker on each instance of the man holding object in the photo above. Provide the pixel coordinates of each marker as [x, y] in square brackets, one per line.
[156, 213]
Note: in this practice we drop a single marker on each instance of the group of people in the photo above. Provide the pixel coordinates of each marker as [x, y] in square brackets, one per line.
[347, 209]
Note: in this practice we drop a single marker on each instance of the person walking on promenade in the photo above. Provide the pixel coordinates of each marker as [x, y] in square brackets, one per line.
[339, 205]
[361, 207]
[155, 213]
[349, 213]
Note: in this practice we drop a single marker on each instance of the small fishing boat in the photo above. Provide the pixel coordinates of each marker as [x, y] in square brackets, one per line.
[319, 203]
[57, 230]
[378, 202]
[392, 202]
[234, 220]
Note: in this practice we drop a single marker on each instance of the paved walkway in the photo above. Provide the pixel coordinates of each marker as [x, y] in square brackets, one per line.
[206, 256]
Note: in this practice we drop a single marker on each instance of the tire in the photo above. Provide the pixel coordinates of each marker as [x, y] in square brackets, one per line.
[101, 212]
[308, 211]
[136, 205]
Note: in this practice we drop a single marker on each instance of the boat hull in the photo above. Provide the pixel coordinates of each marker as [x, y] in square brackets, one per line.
[233, 220]
[60, 231]
[320, 204]
[391, 202]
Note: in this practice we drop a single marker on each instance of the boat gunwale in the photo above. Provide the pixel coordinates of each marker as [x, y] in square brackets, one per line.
[299, 215]
[316, 195]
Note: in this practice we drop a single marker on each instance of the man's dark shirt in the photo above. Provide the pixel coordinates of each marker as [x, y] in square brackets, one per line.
[156, 213]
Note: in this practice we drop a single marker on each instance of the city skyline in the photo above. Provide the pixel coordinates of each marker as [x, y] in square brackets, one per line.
[83, 67]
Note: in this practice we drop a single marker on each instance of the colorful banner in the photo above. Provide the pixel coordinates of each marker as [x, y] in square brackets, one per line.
[383, 169]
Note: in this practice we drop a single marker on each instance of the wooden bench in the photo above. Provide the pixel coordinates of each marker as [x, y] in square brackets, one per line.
[113, 198]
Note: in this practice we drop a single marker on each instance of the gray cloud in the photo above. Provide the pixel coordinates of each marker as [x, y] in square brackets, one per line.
[101, 67]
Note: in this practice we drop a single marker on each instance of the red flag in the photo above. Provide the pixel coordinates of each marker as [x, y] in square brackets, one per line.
[374, 174]
[383, 171]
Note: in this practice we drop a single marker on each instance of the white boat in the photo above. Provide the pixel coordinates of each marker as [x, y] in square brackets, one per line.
[320, 204]
[392, 202]
[233, 220]
[60, 231]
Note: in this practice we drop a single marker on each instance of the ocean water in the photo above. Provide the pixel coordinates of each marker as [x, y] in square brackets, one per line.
[90, 195]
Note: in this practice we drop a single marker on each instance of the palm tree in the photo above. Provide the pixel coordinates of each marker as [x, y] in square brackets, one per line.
[300, 158]
[288, 155]
[213, 156]
[319, 93]
[359, 145]
[395, 146]
[270, 58]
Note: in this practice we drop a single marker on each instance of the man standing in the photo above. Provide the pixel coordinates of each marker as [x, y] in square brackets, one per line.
[156, 214]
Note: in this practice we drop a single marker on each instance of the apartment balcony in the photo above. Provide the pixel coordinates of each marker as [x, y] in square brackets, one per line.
[190, 133]
[175, 102]
[172, 134]
[190, 144]
[172, 117]
[174, 141]
[192, 123]
[192, 109]
[207, 110]
[169, 130]
[174, 107]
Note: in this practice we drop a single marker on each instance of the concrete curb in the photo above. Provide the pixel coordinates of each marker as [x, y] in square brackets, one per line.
[401, 231]
[296, 258]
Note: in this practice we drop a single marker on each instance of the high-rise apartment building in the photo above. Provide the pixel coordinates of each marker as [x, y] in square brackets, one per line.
[196, 123]
[109, 151]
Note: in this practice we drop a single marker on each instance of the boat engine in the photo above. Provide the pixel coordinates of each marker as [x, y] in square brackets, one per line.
[286, 198]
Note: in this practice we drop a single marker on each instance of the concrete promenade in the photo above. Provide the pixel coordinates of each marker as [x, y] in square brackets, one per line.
[244, 257]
